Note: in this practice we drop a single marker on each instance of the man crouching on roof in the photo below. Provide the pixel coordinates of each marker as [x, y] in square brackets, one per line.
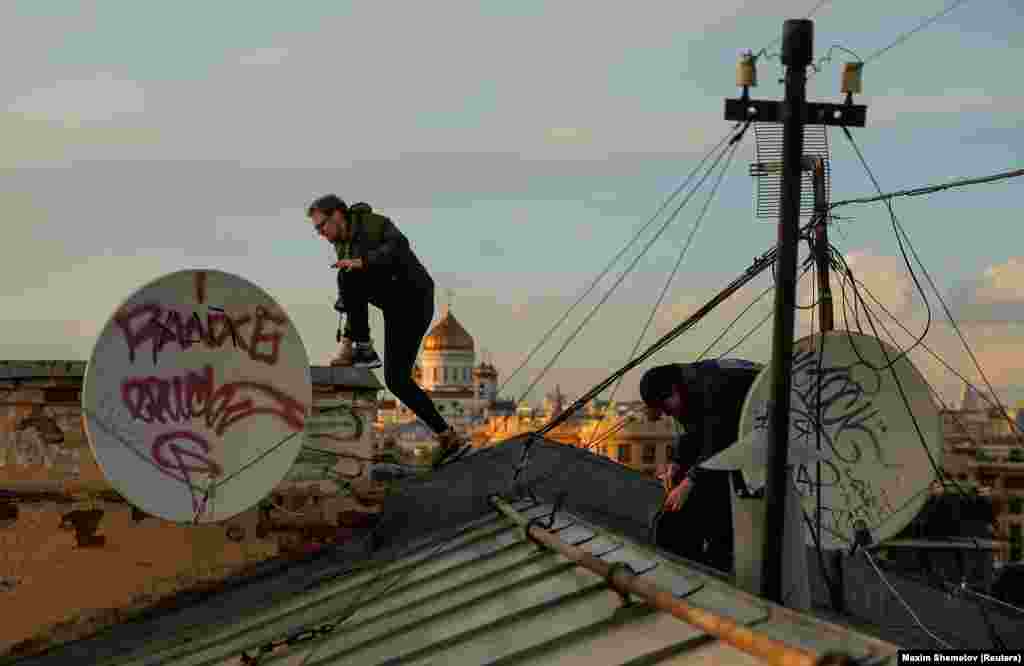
[376, 265]
[706, 398]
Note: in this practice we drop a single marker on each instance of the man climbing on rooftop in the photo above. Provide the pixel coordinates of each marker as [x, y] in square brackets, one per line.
[376, 265]
[706, 398]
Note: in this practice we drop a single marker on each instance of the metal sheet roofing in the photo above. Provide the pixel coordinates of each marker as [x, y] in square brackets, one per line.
[448, 580]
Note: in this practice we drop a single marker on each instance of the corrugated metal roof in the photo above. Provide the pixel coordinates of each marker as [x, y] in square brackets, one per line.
[493, 597]
[448, 580]
[489, 596]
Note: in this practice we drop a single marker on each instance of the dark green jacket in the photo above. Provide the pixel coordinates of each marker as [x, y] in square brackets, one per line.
[393, 269]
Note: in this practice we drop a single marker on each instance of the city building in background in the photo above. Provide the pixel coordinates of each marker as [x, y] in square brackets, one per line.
[985, 448]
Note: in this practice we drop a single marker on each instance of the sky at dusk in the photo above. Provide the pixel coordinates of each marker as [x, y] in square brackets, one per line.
[519, 146]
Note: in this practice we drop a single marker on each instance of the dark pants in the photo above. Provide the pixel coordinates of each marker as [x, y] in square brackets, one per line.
[405, 323]
[702, 529]
[353, 303]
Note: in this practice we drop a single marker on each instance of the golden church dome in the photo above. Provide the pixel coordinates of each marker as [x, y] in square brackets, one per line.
[448, 335]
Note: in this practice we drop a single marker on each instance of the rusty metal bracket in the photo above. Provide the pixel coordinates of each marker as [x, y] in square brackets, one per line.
[617, 567]
[544, 522]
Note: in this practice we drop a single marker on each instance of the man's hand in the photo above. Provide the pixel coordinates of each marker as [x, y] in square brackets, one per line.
[667, 475]
[677, 496]
[348, 264]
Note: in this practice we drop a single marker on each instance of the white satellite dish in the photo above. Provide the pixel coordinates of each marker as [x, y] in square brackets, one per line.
[196, 396]
[874, 472]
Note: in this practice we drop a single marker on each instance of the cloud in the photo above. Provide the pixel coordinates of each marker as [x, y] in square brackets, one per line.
[263, 57]
[32, 142]
[884, 277]
[1003, 283]
[996, 297]
[994, 341]
[569, 135]
[74, 102]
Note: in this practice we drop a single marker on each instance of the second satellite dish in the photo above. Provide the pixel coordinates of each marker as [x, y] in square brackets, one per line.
[869, 459]
[196, 396]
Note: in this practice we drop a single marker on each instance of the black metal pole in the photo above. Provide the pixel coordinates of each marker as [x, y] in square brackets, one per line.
[797, 50]
[826, 324]
[821, 249]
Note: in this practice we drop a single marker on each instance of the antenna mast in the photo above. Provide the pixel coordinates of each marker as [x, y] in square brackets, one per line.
[794, 112]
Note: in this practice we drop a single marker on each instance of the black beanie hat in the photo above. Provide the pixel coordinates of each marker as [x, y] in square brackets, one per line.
[656, 384]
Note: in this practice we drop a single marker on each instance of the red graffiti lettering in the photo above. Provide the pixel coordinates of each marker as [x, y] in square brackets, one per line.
[136, 336]
[177, 468]
[258, 336]
[152, 323]
[194, 395]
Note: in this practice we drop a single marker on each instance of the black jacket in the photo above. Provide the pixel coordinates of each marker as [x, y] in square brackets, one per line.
[393, 273]
[716, 390]
[702, 529]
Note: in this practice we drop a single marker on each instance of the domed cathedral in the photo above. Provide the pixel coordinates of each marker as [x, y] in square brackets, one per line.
[447, 370]
[448, 356]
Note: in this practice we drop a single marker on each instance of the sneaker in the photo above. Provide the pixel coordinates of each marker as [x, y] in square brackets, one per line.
[451, 446]
[365, 357]
[345, 354]
[356, 356]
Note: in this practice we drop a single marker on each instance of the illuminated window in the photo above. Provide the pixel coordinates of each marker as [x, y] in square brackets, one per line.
[650, 454]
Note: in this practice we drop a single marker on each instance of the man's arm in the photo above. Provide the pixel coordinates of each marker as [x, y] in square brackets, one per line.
[676, 468]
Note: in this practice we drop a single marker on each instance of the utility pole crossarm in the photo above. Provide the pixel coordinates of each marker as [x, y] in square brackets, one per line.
[815, 113]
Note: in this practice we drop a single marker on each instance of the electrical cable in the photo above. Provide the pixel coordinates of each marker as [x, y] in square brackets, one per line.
[760, 264]
[899, 598]
[931, 352]
[749, 333]
[900, 231]
[620, 254]
[908, 34]
[931, 189]
[940, 473]
[735, 320]
[672, 274]
[897, 229]
[731, 152]
[858, 305]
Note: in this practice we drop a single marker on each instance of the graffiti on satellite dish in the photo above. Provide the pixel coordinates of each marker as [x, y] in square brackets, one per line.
[872, 469]
[204, 408]
[850, 427]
